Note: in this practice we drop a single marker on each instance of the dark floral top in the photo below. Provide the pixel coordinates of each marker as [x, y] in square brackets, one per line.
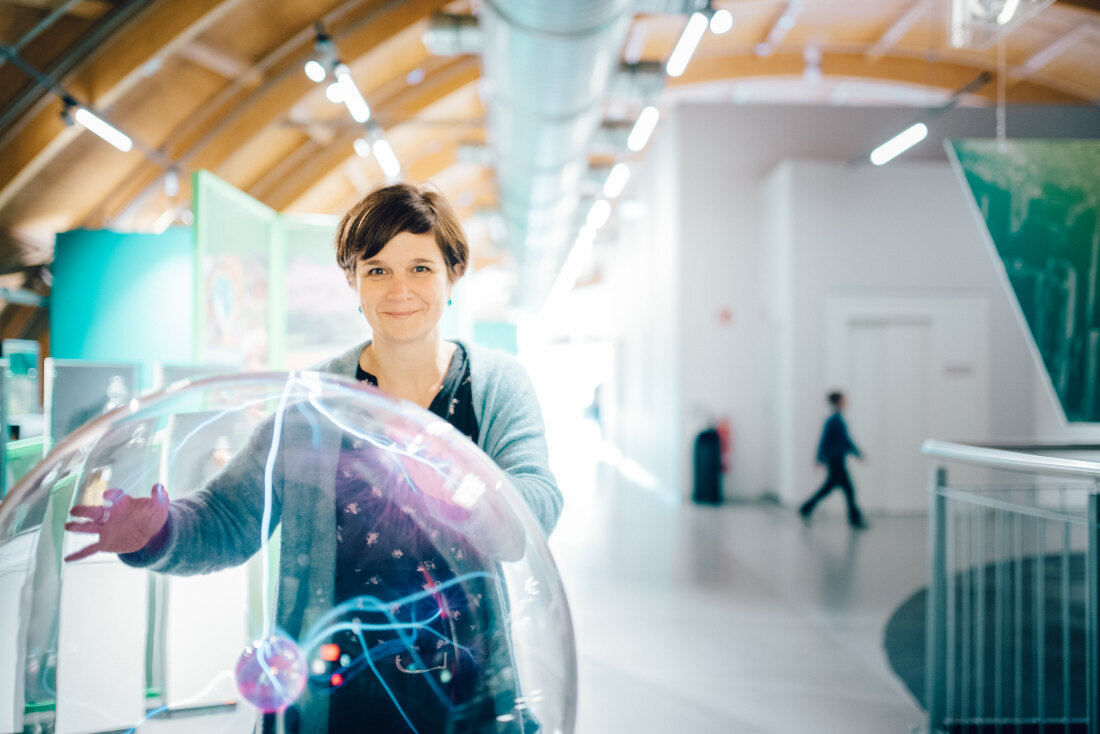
[445, 666]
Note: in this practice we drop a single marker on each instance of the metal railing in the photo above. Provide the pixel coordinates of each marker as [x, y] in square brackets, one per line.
[1013, 620]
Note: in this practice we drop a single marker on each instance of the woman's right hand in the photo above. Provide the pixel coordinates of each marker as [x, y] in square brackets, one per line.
[126, 525]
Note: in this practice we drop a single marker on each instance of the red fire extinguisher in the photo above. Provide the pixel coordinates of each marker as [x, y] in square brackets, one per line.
[725, 442]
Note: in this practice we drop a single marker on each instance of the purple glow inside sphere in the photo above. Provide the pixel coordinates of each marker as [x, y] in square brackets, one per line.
[271, 673]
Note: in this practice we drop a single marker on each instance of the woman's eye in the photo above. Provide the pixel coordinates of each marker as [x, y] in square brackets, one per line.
[422, 269]
[375, 271]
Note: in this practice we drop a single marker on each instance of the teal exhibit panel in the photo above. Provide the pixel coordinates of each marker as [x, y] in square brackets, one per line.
[238, 262]
[1039, 201]
[123, 297]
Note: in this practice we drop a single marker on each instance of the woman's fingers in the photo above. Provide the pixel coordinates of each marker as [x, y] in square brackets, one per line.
[113, 495]
[83, 527]
[91, 512]
[82, 553]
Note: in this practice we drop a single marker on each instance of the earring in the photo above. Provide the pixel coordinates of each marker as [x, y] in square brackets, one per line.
[360, 308]
[449, 302]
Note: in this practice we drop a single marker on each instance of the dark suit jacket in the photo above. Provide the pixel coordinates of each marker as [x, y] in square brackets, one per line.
[835, 442]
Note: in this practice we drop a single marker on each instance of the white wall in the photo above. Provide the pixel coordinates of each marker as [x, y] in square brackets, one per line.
[708, 230]
[903, 230]
[645, 422]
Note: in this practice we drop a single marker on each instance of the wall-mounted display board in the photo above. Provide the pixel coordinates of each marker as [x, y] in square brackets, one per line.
[1039, 201]
[238, 263]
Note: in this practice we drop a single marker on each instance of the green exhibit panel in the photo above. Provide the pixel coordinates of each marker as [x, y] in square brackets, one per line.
[1039, 200]
[122, 297]
[239, 299]
[322, 317]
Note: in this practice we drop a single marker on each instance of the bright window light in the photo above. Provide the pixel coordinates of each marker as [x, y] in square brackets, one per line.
[721, 22]
[616, 180]
[335, 93]
[386, 158]
[898, 144]
[598, 214]
[108, 132]
[315, 71]
[362, 147]
[643, 128]
[356, 105]
[685, 47]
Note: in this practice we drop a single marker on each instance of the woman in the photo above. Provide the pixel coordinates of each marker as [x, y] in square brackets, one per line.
[402, 250]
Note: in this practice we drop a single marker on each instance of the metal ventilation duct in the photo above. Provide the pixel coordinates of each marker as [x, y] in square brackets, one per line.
[546, 68]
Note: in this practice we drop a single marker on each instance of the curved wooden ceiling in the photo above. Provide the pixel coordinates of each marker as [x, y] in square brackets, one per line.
[218, 84]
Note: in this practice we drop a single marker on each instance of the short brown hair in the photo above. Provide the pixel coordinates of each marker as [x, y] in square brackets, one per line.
[388, 211]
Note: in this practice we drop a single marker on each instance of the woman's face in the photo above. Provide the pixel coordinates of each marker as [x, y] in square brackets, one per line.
[404, 288]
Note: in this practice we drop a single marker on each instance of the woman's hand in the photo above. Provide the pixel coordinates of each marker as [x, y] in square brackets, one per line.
[124, 526]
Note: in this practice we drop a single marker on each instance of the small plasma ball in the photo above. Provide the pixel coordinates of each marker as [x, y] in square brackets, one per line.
[271, 673]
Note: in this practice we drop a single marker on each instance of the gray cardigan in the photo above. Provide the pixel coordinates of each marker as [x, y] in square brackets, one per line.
[510, 424]
[220, 525]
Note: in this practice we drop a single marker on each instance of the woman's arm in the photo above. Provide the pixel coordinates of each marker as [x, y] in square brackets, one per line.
[514, 436]
[215, 527]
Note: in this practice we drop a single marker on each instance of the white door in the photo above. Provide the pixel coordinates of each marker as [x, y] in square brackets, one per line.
[888, 417]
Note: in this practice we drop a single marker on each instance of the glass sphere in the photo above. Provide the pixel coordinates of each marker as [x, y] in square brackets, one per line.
[295, 551]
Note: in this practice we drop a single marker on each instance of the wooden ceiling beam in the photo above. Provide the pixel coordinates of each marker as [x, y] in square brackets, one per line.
[88, 9]
[112, 72]
[1080, 34]
[240, 119]
[941, 74]
[289, 181]
[898, 30]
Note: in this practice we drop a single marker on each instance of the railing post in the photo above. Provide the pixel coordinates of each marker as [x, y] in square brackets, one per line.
[1092, 624]
[936, 614]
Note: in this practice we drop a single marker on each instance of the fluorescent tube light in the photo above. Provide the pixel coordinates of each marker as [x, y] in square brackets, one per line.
[598, 214]
[685, 47]
[616, 180]
[356, 105]
[362, 147]
[386, 158]
[643, 128]
[1008, 11]
[103, 129]
[900, 143]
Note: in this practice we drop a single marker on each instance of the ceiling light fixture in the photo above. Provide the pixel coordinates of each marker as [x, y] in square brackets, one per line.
[685, 47]
[324, 55]
[353, 99]
[315, 71]
[643, 128]
[598, 214]
[721, 22]
[616, 180]
[74, 112]
[900, 143]
[387, 159]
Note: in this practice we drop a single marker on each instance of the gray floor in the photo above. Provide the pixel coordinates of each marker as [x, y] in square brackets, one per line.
[731, 619]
